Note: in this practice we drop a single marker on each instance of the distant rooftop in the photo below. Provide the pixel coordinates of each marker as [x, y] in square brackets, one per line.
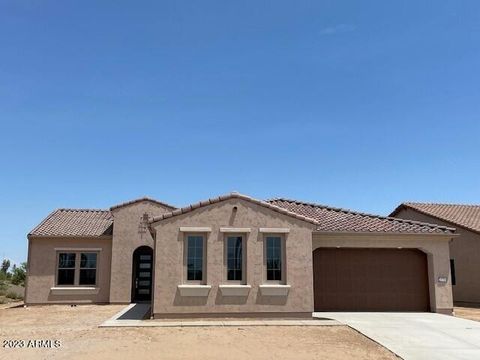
[462, 215]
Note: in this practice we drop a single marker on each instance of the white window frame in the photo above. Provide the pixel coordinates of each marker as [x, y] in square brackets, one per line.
[204, 259]
[243, 281]
[283, 257]
[78, 257]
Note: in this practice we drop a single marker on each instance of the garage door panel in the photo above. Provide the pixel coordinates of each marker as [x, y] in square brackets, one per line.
[370, 280]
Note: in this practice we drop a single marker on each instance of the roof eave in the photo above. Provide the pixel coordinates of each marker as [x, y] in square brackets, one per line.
[99, 237]
[380, 233]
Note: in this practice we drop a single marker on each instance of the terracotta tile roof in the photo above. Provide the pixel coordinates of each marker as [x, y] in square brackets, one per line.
[75, 222]
[145, 198]
[332, 219]
[233, 195]
[83, 222]
[326, 218]
[465, 216]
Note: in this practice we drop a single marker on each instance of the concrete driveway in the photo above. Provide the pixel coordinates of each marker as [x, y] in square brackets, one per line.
[416, 335]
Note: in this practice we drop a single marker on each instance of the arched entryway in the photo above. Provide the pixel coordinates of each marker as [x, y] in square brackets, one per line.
[142, 274]
[369, 279]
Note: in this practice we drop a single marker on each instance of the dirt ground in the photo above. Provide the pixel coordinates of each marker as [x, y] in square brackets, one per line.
[77, 329]
[468, 313]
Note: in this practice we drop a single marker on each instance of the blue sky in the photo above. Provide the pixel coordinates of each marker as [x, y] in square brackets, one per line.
[360, 105]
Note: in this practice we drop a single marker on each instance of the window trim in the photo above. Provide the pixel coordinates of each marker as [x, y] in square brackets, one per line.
[283, 257]
[185, 259]
[76, 276]
[243, 281]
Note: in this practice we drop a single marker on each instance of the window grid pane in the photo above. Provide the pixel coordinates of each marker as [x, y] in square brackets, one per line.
[66, 269]
[88, 261]
[274, 258]
[88, 276]
[234, 258]
[195, 258]
[88, 269]
[66, 261]
[66, 276]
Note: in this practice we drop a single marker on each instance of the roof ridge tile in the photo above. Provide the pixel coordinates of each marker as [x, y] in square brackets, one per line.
[144, 198]
[231, 195]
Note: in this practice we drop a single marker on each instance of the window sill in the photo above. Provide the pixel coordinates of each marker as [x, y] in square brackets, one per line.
[235, 230]
[274, 290]
[74, 290]
[194, 290]
[274, 230]
[235, 290]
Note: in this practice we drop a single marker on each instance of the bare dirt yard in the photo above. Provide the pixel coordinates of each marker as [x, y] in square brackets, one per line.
[80, 338]
[470, 313]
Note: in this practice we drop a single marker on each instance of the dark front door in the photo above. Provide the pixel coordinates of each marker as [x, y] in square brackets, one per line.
[370, 280]
[142, 274]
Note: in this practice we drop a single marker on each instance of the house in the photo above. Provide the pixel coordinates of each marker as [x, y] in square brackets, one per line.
[234, 255]
[464, 251]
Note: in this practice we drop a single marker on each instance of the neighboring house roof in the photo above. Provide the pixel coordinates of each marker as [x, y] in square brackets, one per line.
[465, 216]
[233, 195]
[75, 222]
[330, 219]
[145, 198]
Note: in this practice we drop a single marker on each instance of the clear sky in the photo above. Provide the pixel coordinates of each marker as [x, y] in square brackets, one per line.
[360, 105]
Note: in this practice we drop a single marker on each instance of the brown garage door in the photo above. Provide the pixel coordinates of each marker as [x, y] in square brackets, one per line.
[370, 280]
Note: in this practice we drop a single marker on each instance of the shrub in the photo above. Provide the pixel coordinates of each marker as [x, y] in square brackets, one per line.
[19, 274]
[3, 288]
[13, 295]
[5, 266]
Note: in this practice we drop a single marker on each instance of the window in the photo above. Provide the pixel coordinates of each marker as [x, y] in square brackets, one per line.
[235, 258]
[77, 268]
[195, 257]
[452, 271]
[274, 258]
[88, 268]
[66, 269]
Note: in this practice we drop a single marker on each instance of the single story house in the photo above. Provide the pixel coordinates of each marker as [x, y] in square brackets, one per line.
[464, 251]
[234, 255]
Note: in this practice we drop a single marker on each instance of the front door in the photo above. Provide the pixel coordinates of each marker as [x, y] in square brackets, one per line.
[142, 274]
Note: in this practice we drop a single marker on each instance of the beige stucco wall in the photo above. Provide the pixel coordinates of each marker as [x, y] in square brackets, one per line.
[129, 232]
[435, 246]
[169, 265]
[465, 250]
[42, 264]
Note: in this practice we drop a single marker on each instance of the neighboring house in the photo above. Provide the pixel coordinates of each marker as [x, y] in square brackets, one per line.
[464, 250]
[237, 256]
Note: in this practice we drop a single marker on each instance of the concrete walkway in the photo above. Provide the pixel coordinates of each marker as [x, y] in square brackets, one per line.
[134, 315]
[131, 314]
[416, 335]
